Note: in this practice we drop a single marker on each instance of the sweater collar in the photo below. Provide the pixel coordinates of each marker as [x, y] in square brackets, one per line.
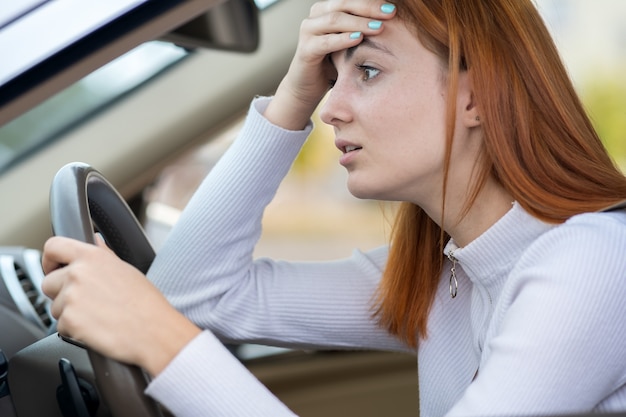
[497, 249]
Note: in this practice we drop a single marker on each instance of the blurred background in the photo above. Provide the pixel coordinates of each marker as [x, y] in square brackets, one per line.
[591, 36]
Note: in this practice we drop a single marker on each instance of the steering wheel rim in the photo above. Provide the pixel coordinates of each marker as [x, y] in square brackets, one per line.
[81, 198]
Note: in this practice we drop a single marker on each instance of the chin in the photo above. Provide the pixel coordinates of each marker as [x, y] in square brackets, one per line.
[364, 192]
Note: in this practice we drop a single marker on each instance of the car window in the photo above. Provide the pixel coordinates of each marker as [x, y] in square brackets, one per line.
[75, 104]
[47, 121]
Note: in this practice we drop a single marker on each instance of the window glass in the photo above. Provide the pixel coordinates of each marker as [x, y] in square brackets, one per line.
[43, 28]
[75, 104]
[85, 97]
[262, 4]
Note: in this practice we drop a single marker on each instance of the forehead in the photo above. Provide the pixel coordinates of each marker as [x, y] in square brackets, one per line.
[396, 41]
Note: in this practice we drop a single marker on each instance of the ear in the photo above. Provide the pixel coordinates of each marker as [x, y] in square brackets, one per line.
[467, 106]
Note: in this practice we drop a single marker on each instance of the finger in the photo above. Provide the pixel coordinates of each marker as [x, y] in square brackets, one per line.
[59, 251]
[338, 22]
[374, 9]
[338, 29]
[68, 323]
[101, 243]
[99, 240]
[52, 283]
[53, 289]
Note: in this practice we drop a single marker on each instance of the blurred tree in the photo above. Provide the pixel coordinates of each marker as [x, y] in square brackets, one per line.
[605, 100]
[319, 154]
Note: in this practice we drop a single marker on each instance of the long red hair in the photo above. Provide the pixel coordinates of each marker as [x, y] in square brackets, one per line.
[538, 141]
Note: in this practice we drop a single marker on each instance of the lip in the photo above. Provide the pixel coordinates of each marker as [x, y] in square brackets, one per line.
[349, 150]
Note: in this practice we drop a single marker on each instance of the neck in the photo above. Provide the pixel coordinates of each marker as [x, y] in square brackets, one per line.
[491, 204]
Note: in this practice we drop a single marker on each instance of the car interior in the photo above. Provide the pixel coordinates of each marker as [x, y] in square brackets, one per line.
[110, 115]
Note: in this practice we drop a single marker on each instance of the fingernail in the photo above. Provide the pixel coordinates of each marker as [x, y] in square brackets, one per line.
[355, 35]
[375, 24]
[387, 8]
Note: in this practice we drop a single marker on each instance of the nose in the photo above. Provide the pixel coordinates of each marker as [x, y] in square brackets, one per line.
[336, 108]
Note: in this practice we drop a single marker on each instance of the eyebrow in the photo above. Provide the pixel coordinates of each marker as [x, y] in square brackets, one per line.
[369, 43]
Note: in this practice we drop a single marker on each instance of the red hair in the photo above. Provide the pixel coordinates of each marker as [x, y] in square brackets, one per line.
[538, 141]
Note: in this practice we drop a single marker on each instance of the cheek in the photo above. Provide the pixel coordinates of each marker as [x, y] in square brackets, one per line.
[418, 144]
[420, 103]
[419, 125]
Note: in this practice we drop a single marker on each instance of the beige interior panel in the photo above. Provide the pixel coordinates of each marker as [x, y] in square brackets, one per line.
[334, 384]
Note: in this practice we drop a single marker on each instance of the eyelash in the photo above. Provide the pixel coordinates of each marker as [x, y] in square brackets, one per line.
[365, 69]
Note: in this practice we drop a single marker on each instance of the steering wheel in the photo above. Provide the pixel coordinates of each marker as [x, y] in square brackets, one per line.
[82, 201]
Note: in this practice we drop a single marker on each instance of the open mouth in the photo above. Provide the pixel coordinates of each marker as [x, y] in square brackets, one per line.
[350, 148]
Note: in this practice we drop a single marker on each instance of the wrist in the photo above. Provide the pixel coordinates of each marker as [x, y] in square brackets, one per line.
[288, 111]
[285, 115]
[168, 338]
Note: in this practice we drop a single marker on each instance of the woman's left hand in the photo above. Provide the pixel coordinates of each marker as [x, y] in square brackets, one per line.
[110, 306]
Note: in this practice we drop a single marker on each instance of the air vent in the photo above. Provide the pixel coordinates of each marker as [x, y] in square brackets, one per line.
[22, 277]
[39, 303]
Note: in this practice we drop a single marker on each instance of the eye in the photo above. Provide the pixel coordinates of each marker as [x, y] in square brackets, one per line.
[368, 72]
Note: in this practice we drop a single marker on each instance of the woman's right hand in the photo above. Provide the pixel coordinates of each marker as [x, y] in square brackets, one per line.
[110, 306]
[332, 25]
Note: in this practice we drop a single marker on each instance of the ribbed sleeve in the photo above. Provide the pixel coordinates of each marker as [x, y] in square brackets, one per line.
[218, 385]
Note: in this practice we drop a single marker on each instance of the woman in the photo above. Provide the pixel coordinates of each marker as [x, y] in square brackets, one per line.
[501, 274]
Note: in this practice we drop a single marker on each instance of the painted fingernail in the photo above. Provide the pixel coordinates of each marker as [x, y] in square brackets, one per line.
[355, 35]
[375, 24]
[387, 8]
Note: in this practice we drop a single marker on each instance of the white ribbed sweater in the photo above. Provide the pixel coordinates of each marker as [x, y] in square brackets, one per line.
[540, 311]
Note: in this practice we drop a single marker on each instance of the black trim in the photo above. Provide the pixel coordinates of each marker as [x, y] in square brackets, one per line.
[83, 48]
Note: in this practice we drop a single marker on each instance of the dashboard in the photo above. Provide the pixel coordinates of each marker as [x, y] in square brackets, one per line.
[24, 310]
